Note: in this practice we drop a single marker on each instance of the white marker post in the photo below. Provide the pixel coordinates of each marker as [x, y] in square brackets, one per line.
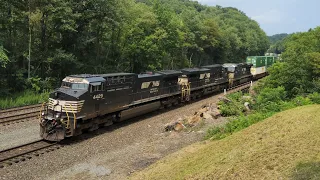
[225, 92]
[251, 84]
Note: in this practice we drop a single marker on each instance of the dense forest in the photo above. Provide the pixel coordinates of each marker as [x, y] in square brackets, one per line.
[277, 37]
[62, 37]
[299, 73]
[277, 42]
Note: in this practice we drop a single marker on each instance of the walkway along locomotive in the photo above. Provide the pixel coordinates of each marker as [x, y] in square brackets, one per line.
[85, 102]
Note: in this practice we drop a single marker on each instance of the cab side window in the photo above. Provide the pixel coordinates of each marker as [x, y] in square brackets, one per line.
[97, 87]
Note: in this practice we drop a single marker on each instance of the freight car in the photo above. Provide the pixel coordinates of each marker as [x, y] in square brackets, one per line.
[260, 65]
[85, 102]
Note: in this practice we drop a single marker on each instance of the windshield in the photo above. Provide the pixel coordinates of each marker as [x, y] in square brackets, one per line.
[74, 85]
[231, 69]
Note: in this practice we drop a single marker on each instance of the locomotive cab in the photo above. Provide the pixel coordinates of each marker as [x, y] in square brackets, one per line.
[81, 99]
[238, 73]
[218, 73]
[66, 104]
[195, 77]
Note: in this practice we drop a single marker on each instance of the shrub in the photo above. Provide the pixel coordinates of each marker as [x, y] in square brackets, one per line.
[230, 109]
[285, 105]
[314, 97]
[233, 108]
[302, 101]
[236, 125]
[270, 99]
[271, 95]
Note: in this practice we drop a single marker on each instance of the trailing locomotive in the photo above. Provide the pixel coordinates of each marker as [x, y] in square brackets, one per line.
[85, 102]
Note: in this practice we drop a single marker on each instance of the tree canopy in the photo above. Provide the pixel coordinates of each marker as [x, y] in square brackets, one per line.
[300, 71]
[277, 43]
[277, 37]
[96, 36]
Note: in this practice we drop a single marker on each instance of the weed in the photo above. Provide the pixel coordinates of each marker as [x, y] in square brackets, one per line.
[27, 97]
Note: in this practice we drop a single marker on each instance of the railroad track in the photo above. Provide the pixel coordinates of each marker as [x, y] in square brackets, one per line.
[239, 87]
[20, 114]
[26, 151]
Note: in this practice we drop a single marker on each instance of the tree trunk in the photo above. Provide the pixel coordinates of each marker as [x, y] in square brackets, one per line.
[43, 41]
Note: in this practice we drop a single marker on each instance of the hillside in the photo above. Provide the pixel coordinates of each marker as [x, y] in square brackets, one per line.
[281, 147]
[277, 43]
[277, 37]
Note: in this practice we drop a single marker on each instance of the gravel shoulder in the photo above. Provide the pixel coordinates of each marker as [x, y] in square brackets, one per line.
[18, 134]
[113, 152]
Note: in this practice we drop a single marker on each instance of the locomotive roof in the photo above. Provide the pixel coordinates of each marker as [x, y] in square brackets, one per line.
[84, 78]
[212, 66]
[83, 75]
[230, 65]
[194, 70]
[116, 74]
[236, 65]
[170, 73]
[149, 75]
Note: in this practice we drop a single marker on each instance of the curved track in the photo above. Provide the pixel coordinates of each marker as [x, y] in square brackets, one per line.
[26, 151]
[239, 87]
[20, 114]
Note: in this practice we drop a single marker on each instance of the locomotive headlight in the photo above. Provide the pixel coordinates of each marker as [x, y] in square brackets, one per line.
[58, 115]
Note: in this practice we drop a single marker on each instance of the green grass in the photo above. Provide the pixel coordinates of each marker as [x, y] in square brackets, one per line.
[235, 125]
[22, 99]
[284, 146]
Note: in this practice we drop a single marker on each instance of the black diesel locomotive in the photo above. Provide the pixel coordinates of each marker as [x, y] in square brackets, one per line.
[85, 102]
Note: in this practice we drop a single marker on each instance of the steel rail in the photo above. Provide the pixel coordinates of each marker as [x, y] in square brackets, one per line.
[13, 115]
[23, 152]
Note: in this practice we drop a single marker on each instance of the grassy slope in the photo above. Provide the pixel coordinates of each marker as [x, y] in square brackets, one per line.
[286, 145]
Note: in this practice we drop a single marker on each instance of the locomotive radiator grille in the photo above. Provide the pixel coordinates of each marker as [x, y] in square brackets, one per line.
[65, 106]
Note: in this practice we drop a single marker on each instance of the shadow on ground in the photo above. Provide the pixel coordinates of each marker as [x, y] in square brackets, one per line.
[308, 170]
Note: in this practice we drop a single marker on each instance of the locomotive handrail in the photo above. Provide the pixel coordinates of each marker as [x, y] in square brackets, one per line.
[41, 111]
[185, 91]
[68, 122]
[74, 117]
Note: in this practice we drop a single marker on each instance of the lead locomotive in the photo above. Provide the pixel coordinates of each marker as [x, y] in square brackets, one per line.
[85, 102]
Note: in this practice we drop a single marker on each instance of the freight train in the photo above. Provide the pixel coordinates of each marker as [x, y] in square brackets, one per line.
[86, 102]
